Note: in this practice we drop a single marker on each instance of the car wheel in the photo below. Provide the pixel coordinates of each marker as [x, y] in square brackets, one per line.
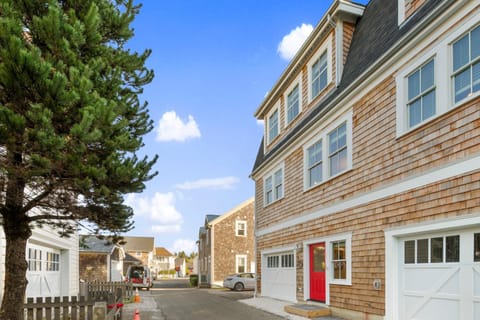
[238, 286]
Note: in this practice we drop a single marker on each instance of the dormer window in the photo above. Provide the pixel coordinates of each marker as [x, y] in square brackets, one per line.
[319, 75]
[293, 104]
[273, 125]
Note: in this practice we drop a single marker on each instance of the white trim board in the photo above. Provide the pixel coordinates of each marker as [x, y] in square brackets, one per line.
[443, 173]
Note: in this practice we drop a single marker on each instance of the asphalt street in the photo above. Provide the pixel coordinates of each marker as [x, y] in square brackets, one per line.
[175, 300]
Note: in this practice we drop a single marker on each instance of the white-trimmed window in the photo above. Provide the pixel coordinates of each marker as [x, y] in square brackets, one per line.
[241, 263]
[421, 94]
[292, 98]
[319, 69]
[339, 260]
[319, 74]
[445, 77]
[273, 125]
[329, 154]
[281, 260]
[340, 252]
[241, 228]
[314, 164]
[293, 103]
[466, 65]
[273, 186]
[337, 150]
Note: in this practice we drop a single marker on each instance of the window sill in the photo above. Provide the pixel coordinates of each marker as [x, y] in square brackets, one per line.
[271, 203]
[341, 282]
[307, 189]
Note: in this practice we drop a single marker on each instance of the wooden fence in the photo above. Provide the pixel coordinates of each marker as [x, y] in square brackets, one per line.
[97, 301]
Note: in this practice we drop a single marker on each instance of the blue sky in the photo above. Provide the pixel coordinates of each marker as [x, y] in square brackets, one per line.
[214, 61]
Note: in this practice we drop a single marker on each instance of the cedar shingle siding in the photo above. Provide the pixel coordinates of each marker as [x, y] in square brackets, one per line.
[396, 180]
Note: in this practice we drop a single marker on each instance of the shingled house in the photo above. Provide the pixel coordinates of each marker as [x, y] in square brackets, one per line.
[368, 176]
[226, 245]
[100, 259]
[138, 251]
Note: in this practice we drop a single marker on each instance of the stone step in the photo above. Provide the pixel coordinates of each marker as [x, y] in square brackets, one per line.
[307, 310]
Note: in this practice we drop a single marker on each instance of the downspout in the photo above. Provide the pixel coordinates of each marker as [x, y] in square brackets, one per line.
[255, 246]
[212, 252]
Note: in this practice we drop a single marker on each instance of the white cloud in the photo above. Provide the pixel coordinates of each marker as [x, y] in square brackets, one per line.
[216, 183]
[159, 209]
[260, 122]
[172, 128]
[290, 43]
[186, 245]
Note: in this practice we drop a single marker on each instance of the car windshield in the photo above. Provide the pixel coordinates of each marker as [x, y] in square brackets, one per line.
[136, 272]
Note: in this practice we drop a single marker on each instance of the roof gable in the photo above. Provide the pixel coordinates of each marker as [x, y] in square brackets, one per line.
[143, 244]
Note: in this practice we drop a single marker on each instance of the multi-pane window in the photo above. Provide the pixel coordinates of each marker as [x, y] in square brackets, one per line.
[337, 149]
[339, 260]
[273, 186]
[293, 104]
[53, 261]
[241, 228]
[241, 263]
[466, 65]
[314, 164]
[432, 250]
[278, 184]
[273, 261]
[268, 190]
[285, 260]
[421, 94]
[34, 260]
[288, 260]
[273, 126]
[319, 75]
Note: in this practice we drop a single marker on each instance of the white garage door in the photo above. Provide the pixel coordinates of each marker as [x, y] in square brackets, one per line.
[43, 273]
[279, 276]
[440, 276]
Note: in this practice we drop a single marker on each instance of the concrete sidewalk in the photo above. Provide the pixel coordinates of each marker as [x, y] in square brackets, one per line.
[147, 308]
[277, 307]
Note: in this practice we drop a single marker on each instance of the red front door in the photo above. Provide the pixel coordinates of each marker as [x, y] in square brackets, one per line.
[317, 272]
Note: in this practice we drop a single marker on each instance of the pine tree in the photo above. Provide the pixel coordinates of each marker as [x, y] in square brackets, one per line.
[71, 123]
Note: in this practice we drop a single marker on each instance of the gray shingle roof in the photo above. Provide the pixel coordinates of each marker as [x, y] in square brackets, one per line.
[89, 243]
[210, 217]
[376, 33]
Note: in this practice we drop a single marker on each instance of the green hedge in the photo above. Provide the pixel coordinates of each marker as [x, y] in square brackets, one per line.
[194, 280]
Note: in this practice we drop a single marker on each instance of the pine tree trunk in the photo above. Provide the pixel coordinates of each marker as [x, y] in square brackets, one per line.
[15, 271]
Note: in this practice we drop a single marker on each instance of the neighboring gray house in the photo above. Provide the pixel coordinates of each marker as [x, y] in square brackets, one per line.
[100, 260]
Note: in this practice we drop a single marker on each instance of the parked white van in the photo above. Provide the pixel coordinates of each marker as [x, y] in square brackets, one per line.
[139, 277]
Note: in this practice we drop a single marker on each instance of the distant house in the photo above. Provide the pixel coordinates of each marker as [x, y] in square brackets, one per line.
[138, 251]
[180, 267]
[100, 260]
[163, 260]
[226, 245]
[52, 264]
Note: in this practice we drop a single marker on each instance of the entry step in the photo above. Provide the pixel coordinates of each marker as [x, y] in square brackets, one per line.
[308, 311]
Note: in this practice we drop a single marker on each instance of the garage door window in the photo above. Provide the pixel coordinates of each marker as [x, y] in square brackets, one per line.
[476, 247]
[432, 250]
[288, 261]
[34, 260]
[273, 262]
[53, 261]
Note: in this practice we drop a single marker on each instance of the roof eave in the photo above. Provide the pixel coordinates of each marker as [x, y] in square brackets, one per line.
[339, 8]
